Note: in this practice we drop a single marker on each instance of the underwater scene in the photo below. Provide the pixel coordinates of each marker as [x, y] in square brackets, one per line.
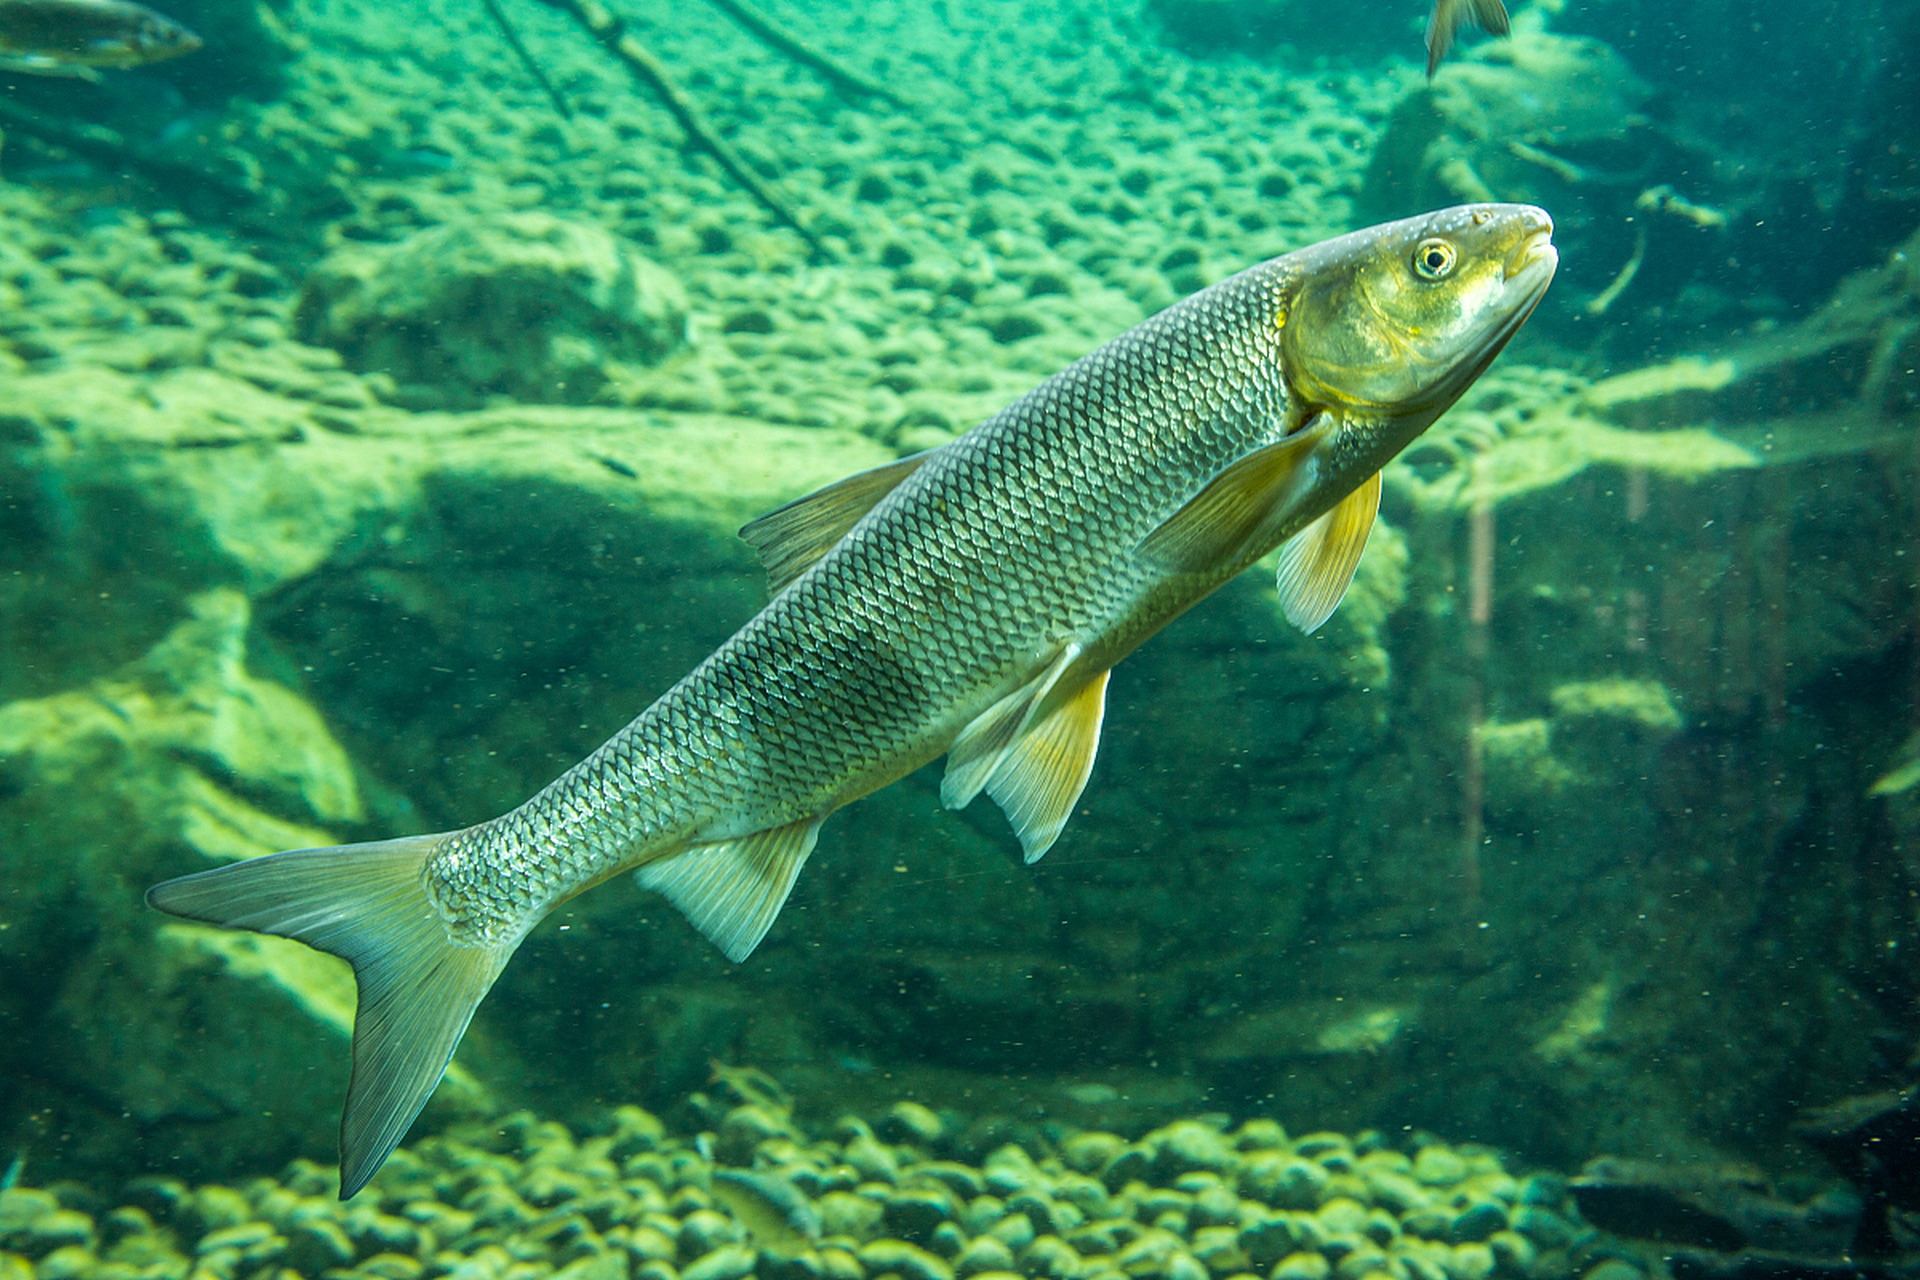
[560, 562]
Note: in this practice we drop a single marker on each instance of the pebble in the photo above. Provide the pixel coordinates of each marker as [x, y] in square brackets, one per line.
[1471, 1262]
[908, 1261]
[1615, 1269]
[912, 1123]
[1438, 1167]
[1341, 1216]
[1052, 1257]
[60, 1229]
[1015, 1230]
[1191, 1200]
[1186, 1145]
[1090, 1150]
[729, 1262]
[1477, 1222]
[1303, 1266]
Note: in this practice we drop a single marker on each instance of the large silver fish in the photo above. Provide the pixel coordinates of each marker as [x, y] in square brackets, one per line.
[967, 601]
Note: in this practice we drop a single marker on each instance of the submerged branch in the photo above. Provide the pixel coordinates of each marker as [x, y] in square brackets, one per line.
[519, 48]
[781, 40]
[611, 30]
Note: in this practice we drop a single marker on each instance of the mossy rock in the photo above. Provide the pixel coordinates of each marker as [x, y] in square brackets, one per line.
[519, 304]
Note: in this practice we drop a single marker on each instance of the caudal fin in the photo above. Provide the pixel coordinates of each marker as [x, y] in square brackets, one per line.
[418, 988]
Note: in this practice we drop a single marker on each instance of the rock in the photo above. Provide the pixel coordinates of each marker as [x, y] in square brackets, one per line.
[1188, 1145]
[1471, 1262]
[522, 304]
[728, 1262]
[1090, 1150]
[1477, 1222]
[908, 1261]
[983, 1254]
[913, 1123]
[1438, 1167]
[913, 1214]
[1303, 1266]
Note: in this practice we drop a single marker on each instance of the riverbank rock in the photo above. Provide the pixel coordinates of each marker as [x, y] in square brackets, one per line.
[518, 304]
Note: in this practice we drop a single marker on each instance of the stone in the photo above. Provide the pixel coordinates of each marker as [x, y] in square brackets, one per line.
[983, 1254]
[908, 1261]
[524, 304]
[728, 1262]
[1302, 1266]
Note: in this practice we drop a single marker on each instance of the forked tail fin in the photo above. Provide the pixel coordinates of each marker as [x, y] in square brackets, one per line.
[418, 988]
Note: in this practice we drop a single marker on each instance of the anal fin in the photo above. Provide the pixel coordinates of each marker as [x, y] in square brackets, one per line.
[1317, 564]
[1237, 506]
[790, 538]
[1039, 779]
[731, 890]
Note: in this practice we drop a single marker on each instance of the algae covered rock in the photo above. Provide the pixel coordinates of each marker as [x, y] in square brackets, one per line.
[520, 304]
[1526, 118]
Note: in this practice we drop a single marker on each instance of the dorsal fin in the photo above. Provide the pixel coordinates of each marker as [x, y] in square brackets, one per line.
[732, 889]
[1237, 506]
[1317, 564]
[791, 538]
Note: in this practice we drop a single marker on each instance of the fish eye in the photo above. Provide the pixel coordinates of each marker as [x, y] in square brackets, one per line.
[1433, 259]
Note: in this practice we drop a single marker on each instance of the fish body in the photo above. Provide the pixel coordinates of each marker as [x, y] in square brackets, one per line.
[72, 37]
[968, 601]
[1449, 16]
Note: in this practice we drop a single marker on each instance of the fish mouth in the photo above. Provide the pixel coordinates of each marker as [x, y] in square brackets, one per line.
[1528, 270]
[1535, 249]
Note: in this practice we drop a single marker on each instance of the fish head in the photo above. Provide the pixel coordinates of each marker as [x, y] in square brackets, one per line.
[156, 37]
[1388, 326]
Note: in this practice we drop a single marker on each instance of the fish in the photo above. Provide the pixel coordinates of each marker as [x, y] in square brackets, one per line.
[778, 1219]
[73, 37]
[969, 601]
[1449, 16]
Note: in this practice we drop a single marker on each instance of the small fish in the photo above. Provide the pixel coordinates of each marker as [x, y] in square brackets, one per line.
[1449, 16]
[966, 601]
[777, 1217]
[72, 37]
[16, 1168]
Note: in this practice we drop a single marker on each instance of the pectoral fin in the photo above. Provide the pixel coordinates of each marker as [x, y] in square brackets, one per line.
[790, 538]
[1317, 564]
[1040, 778]
[732, 889]
[1237, 507]
[977, 752]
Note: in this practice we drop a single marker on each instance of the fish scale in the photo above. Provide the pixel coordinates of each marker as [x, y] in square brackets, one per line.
[967, 601]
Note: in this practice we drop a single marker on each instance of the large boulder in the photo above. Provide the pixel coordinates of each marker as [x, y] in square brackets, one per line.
[523, 304]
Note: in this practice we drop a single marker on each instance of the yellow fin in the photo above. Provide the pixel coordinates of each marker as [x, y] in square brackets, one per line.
[1449, 16]
[1039, 779]
[1317, 564]
[1237, 506]
[976, 753]
[418, 987]
[732, 889]
[791, 538]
